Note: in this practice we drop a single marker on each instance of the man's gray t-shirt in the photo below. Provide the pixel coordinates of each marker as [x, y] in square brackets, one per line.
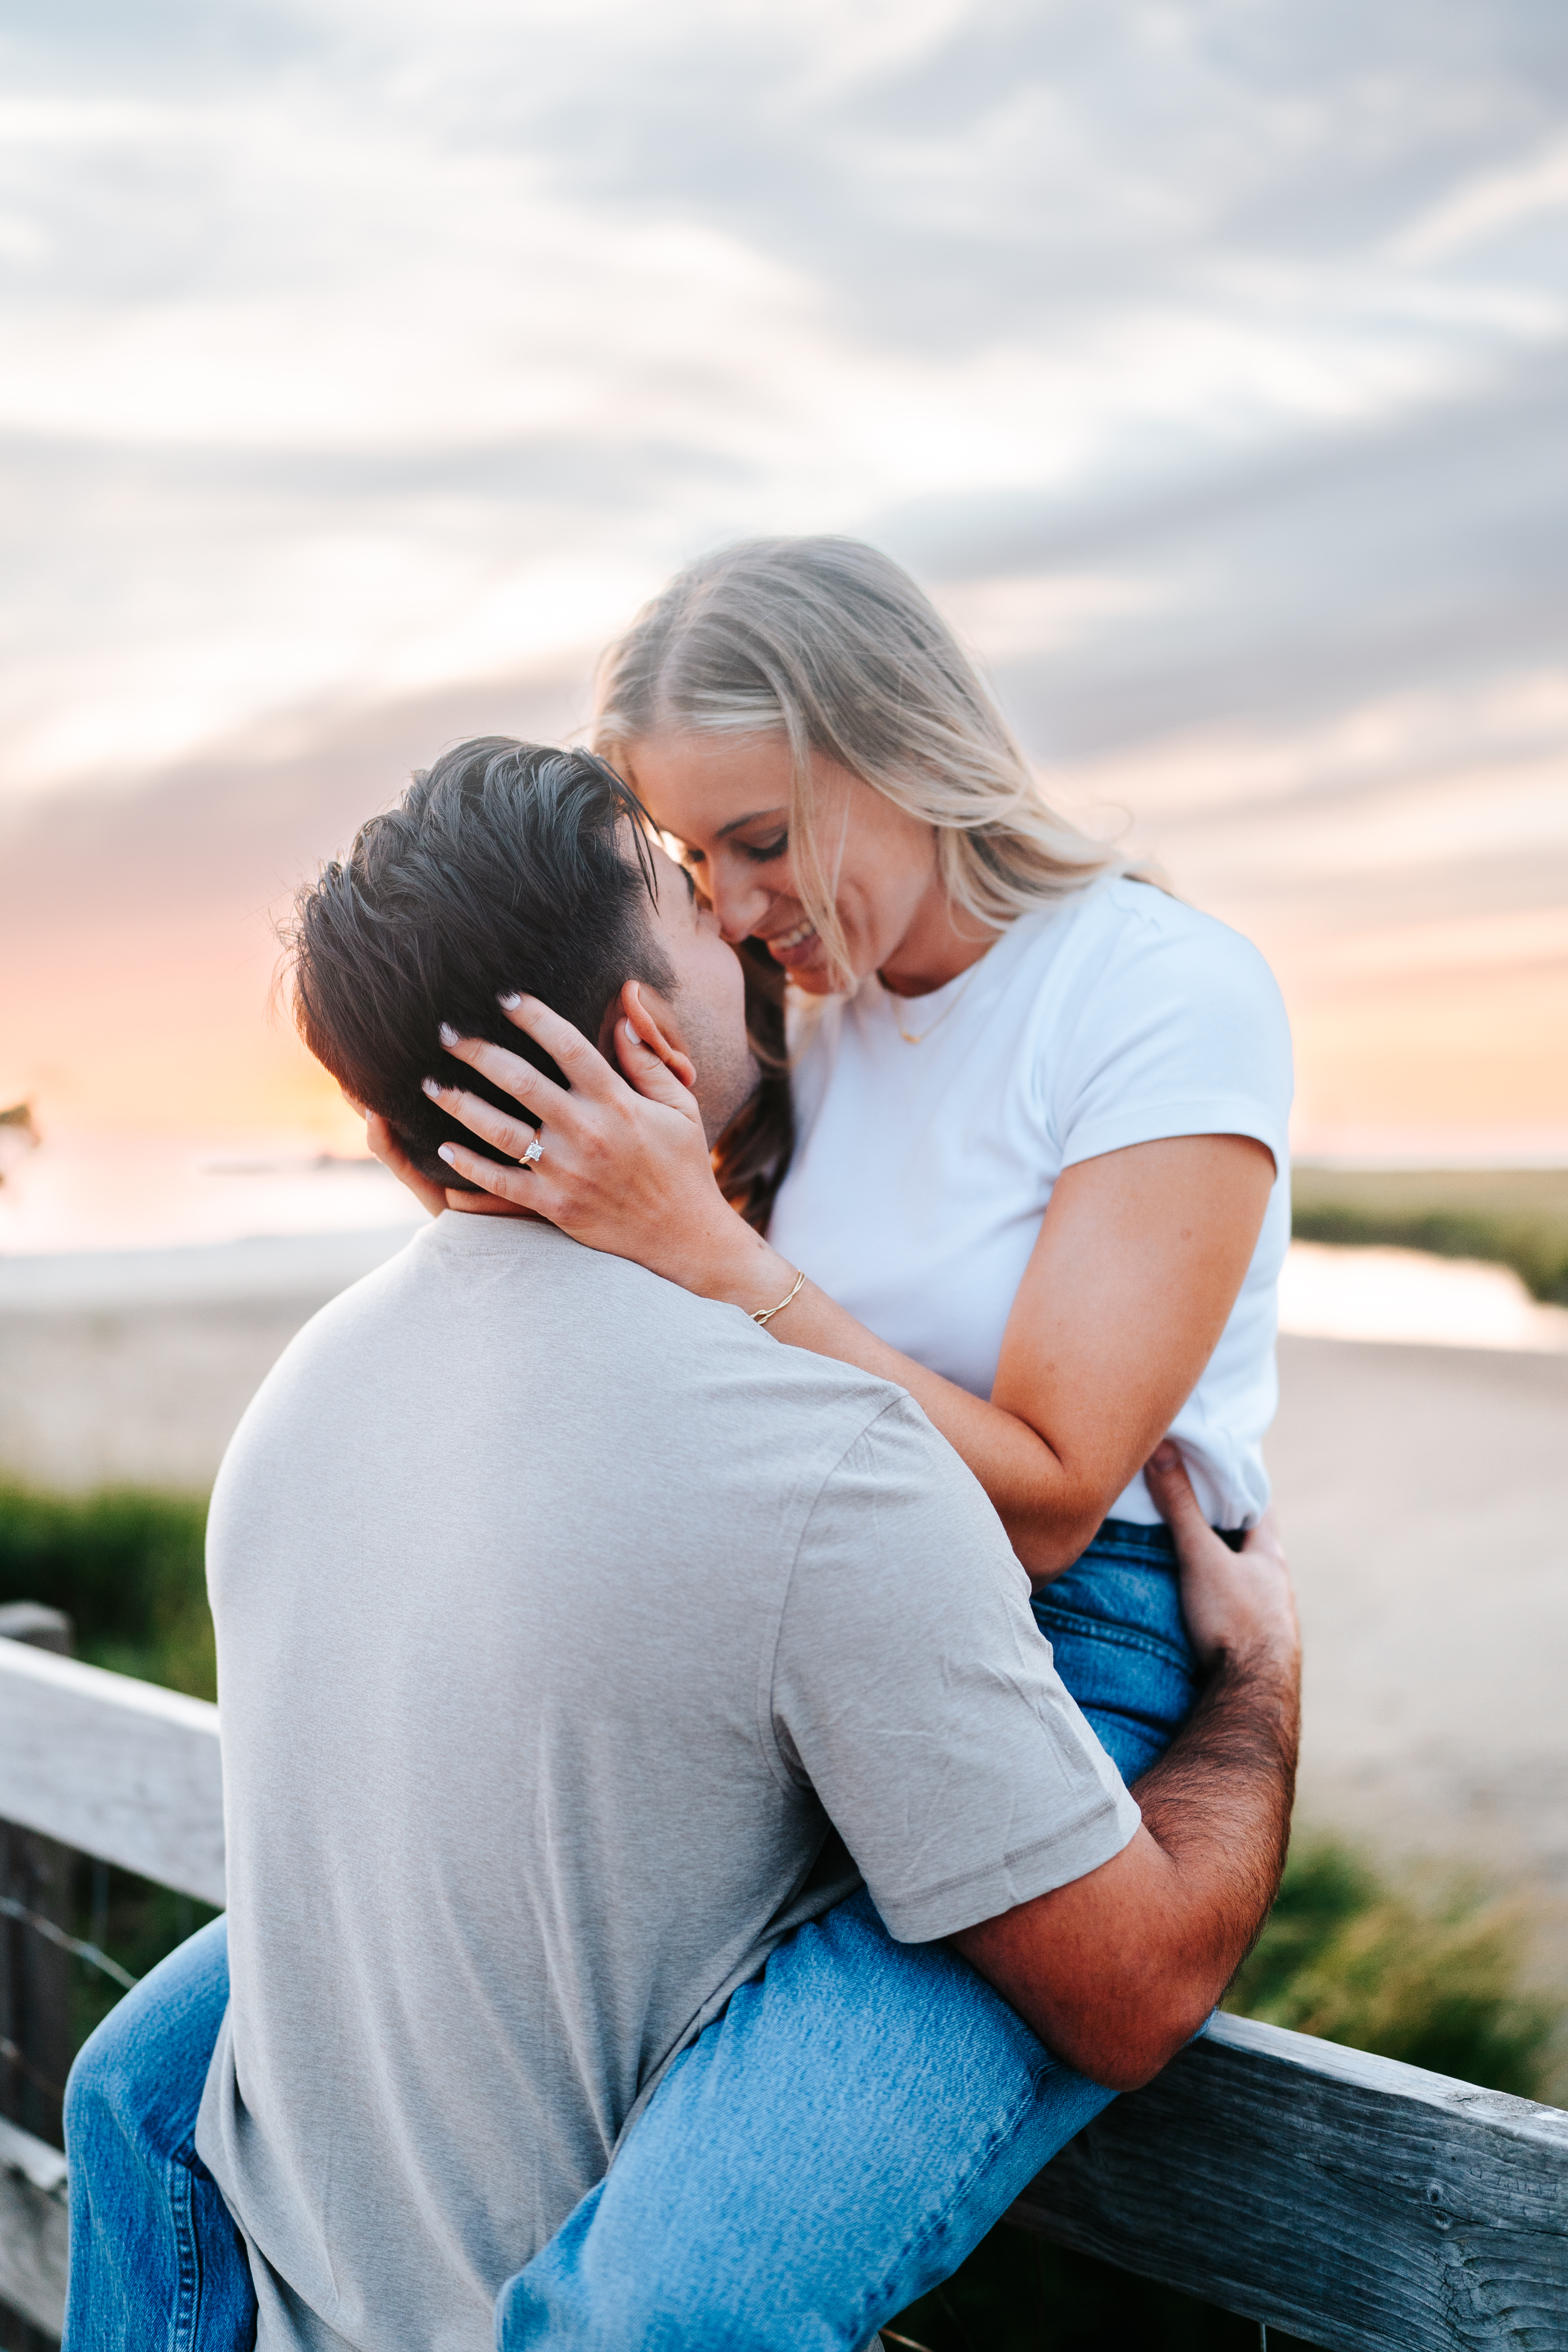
[559, 1613]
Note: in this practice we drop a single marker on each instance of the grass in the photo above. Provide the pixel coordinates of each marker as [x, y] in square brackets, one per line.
[1426, 1972]
[1516, 1217]
[126, 1564]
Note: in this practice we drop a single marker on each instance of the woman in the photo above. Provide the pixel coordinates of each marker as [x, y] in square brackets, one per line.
[1038, 1169]
[1035, 1176]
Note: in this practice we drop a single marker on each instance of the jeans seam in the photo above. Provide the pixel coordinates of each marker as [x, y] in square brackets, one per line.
[1004, 2132]
[186, 2254]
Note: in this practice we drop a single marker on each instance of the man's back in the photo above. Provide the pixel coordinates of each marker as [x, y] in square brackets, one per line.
[554, 1606]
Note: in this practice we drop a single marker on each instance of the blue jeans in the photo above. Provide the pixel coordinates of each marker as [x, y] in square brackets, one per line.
[831, 2148]
[1116, 1630]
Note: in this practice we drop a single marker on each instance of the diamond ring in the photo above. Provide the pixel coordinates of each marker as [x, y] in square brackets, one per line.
[535, 1151]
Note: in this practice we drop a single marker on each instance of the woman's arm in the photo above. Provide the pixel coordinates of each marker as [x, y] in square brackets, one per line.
[1138, 1263]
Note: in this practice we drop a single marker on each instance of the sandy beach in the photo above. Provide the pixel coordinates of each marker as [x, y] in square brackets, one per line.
[1420, 1491]
[1418, 1486]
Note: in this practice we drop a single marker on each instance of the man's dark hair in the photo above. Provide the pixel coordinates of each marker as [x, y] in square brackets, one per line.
[506, 866]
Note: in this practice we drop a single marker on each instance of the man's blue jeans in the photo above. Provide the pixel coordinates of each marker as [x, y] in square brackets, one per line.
[829, 2149]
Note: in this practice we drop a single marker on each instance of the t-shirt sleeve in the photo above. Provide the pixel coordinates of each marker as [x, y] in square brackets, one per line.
[913, 1691]
[1180, 1030]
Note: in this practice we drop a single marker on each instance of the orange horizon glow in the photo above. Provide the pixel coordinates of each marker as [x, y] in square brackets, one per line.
[139, 952]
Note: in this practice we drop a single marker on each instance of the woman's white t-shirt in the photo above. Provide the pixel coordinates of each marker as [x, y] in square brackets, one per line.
[922, 1171]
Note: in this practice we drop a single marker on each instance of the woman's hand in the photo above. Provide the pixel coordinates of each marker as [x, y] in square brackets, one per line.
[624, 1168]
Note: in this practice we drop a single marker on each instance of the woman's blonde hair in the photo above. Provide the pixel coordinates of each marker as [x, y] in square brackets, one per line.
[831, 645]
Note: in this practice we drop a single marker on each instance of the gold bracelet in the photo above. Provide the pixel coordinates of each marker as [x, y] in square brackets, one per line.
[767, 1314]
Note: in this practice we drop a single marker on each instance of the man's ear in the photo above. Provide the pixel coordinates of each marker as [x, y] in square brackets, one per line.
[632, 1040]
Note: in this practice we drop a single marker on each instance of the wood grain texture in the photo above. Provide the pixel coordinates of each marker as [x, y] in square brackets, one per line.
[1366, 2206]
[34, 1974]
[34, 2233]
[117, 1767]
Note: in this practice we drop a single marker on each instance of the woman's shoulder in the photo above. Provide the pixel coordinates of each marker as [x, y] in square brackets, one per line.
[1139, 912]
[1129, 973]
[1125, 929]
[1160, 1004]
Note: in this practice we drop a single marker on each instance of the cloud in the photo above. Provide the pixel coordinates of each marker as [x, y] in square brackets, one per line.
[1285, 586]
[1485, 209]
[1208, 358]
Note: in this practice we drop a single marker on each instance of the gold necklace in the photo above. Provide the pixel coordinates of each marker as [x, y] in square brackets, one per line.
[907, 1037]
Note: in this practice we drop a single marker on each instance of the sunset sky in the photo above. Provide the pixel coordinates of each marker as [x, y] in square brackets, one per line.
[365, 366]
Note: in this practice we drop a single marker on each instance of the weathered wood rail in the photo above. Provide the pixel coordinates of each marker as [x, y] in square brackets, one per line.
[1363, 2205]
[131, 1773]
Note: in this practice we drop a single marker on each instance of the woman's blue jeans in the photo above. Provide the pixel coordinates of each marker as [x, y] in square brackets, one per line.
[829, 2149]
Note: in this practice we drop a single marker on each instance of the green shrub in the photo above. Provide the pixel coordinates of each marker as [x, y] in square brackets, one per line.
[1537, 1254]
[126, 1564]
[1516, 1217]
[1428, 1975]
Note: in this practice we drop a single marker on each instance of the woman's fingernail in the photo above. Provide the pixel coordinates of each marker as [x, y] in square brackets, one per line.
[448, 1035]
[444, 1151]
[632, 1037]
[432, 1086]
[509, 1003]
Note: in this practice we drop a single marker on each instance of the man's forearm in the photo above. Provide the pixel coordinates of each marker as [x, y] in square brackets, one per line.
[1218, 1803]
[1115, 1971]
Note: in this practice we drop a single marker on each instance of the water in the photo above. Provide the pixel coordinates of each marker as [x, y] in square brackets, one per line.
[1331, 1293]
[107, 1219]
[87, 1191]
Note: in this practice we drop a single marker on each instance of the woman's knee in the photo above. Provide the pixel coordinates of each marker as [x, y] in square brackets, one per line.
[95, 2085]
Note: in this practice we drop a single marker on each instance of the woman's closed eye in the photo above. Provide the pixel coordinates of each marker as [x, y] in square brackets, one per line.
[762, 853]
[692, 864]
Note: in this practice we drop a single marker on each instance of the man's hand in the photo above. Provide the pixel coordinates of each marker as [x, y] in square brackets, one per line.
[1117, 1970]
[1237, 1604]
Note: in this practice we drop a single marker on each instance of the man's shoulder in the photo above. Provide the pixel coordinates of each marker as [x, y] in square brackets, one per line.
[500, 1317]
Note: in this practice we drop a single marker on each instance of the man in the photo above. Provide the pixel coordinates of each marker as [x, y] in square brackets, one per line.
[580, 1649]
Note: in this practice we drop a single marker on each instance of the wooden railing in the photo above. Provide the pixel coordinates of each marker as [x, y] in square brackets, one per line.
[1363, 2205]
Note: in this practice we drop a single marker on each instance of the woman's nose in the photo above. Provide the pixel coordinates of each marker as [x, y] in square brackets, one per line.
[739, 901]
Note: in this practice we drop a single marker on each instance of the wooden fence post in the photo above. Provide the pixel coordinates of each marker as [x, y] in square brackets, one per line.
[36, 2044]
[35, 2039]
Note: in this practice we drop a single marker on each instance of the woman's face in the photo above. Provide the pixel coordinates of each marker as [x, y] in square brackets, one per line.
[726, 799]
